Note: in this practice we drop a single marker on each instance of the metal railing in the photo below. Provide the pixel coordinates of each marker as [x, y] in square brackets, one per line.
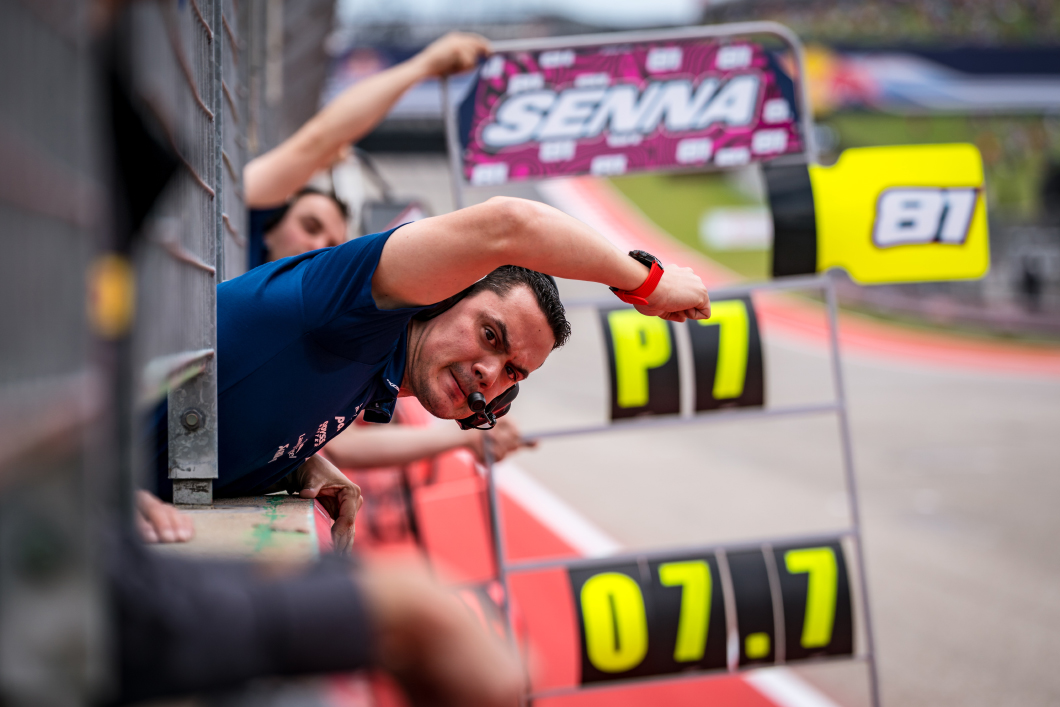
[192, 67]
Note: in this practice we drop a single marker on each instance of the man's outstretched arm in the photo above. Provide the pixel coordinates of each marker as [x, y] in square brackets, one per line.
[371, 446]
[427, 261]
[272, 177]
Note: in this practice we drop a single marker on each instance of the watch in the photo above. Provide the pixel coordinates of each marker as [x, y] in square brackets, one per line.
[641, 294]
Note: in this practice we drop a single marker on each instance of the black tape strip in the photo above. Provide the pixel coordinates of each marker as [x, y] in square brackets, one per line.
[794, 219]
[754, 607]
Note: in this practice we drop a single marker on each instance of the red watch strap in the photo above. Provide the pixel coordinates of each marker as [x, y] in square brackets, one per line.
[641, 294]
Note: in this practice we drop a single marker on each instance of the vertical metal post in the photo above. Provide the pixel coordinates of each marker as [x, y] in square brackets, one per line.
[217, 147]
[452, 141]
[809, 136]
[496, 529]
[192, 424]
[851, 481]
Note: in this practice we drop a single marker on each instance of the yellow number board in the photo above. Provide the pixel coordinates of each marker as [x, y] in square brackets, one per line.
[906, 213]
[653, 616]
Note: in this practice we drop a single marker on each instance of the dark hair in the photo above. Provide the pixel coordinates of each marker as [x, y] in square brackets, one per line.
[274, 219]
[501, 281]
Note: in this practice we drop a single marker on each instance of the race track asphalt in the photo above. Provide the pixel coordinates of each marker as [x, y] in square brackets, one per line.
[959, 473]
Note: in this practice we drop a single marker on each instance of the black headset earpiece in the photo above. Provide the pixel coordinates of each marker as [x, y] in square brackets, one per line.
[485, 416]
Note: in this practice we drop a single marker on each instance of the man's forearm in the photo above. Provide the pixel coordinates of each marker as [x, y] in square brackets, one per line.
[427, 261]
[271, 178]
[548, 240]
[392, 446]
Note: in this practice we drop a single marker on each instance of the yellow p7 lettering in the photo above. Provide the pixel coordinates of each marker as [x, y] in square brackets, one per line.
[820, 564]
[640, 344]
[694, 579]
[730, 316]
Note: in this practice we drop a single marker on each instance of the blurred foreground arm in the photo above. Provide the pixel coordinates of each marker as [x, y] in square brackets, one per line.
[364, 447]
[272, 177]
[186, 626]
[431, 644]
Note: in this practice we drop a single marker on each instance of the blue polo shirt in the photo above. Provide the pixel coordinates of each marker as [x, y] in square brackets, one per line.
[301, 350]
[257, 253]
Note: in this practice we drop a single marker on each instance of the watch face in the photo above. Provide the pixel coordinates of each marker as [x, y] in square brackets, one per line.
[644, 257]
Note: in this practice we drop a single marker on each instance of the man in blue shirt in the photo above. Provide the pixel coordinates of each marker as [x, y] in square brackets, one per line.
[307, 343]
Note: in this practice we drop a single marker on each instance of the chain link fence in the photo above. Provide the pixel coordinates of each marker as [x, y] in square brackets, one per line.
[191, 72]
[74, 390]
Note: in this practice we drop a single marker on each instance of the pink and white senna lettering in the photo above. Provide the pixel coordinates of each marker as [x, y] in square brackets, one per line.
[636, 107]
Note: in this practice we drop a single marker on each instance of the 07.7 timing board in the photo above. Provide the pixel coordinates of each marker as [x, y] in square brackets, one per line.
[715, 609]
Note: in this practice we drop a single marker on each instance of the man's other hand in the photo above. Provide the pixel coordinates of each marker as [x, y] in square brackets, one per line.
[452, 54]
[680, 295]
[320, 479]
[504, 439]
[160, 522]
[432, 645]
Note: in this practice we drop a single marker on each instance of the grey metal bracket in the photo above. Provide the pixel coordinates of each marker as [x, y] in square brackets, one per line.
[192, 429]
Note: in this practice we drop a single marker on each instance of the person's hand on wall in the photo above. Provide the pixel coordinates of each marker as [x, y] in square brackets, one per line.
[160, 522]
[504, 439]
[320, 479]
[452, 54]
[433, 646]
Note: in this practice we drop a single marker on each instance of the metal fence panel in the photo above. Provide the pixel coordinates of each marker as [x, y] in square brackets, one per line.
[51, 203]
[192, 67]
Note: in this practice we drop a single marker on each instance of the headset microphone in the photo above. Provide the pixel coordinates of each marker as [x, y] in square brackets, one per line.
[485, 415]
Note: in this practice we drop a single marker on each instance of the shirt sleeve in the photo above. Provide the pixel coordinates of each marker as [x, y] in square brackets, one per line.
[337, 303]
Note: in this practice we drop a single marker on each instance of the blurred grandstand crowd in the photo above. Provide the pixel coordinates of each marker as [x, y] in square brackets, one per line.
[903, 21]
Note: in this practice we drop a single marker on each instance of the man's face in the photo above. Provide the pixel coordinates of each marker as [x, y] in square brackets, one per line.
[485, 343]
[313, 221]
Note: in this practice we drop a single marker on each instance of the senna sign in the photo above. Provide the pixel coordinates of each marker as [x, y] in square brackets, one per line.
[608, 109]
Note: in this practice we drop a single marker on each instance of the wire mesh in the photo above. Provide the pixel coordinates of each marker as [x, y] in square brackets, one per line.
[191, 73]
[51, 204]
